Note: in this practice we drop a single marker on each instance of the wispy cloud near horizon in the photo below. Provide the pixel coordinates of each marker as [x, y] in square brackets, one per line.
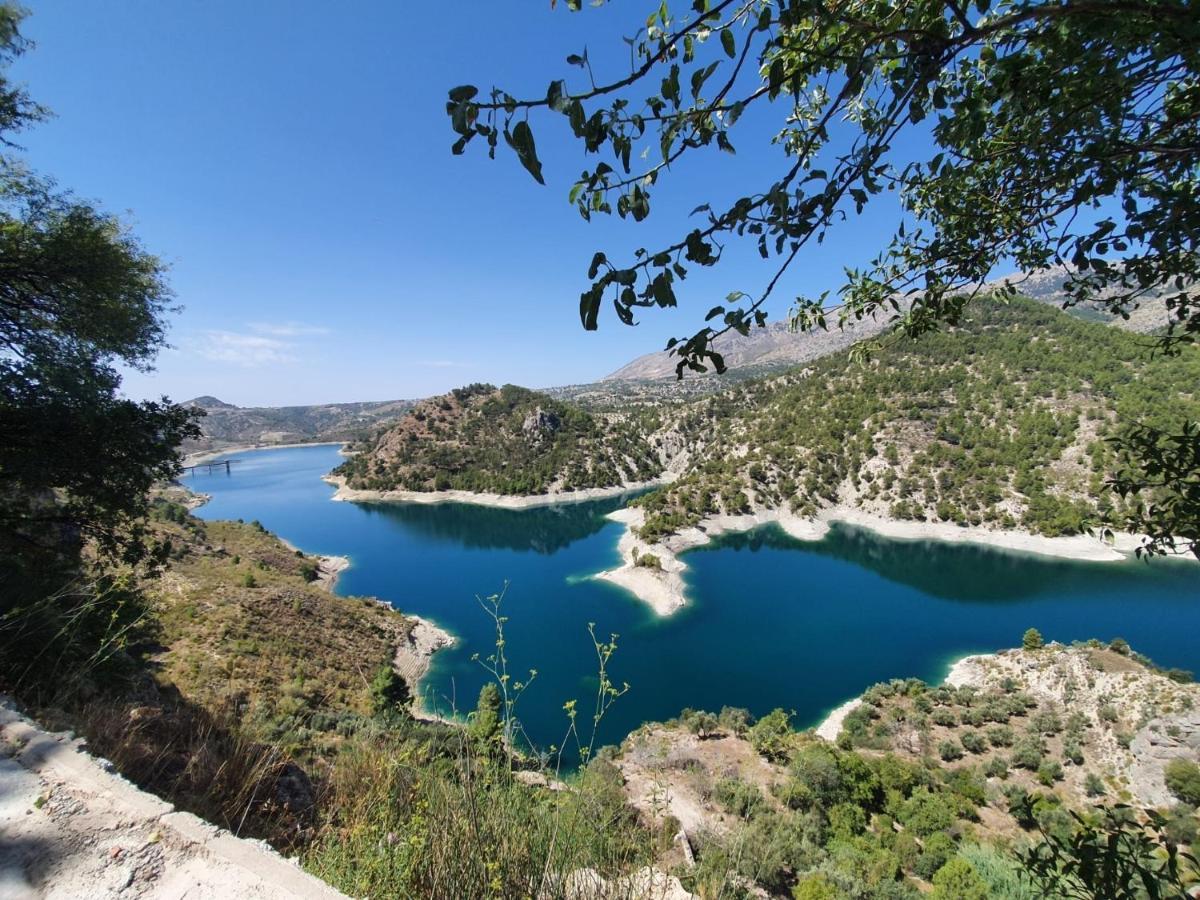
[242, 349]
[288, 329]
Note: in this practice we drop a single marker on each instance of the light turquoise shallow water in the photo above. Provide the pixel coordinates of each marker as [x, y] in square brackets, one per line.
[773, 622]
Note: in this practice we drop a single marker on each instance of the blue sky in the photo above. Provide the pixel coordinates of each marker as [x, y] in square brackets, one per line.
[291, 162]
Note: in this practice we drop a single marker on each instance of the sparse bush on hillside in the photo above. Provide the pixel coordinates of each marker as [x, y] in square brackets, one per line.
[1183, 780]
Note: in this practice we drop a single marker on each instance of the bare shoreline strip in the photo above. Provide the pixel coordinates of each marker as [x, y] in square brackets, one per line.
[663, 589]
[413, 658]
[499, 501]
[202, 456]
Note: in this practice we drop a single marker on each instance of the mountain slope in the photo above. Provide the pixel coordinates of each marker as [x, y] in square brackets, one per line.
[225, 425]
[507, 440]
[1000, 423]
[773, 347]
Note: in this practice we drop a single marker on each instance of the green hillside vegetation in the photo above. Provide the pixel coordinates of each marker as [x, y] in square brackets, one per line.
[242, 621]
[507, 440]
[1001, 422]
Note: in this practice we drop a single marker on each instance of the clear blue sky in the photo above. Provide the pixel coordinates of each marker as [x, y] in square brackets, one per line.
[290, 161]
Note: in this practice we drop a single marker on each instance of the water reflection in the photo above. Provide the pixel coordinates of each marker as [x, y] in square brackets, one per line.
[967, 573]
[543, 529]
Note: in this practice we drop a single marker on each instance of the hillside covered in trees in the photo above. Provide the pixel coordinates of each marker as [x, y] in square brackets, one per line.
[506, 440]
[1001, 421]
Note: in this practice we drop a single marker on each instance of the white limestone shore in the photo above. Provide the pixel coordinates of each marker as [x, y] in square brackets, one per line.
[663, 589]
[413, 658]
[202, 456]
[329, 569]
[831, 725]
[499, 501]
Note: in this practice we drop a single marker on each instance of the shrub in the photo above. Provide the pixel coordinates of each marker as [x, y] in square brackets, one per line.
[1032, 640]
[1093, 784]
[647, 561]
[997, 767]
[945, 717]
[1180, 825]
[817, 886]
[388, 691]
[926, 813]
[846, 820]
[771, 736]
[248, 580]
[938, 849]
[949, 750]
[737, 797]
[1046, 721]
[1027, 753]
[1073, 751]
[957, 880]
[973, 742]
[1183, 780]
[1050, 771]
[1004, 877]
[1001, 736]
[734, 720]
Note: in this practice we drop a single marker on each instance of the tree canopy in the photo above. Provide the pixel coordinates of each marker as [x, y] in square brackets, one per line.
[78, 296]
[1059, 133]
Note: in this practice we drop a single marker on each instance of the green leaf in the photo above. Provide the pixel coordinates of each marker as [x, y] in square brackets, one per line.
[597, 261]
[729, 43]
[522, 142]
[556, 95]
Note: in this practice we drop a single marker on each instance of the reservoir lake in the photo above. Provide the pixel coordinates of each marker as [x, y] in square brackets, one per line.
[772, 622]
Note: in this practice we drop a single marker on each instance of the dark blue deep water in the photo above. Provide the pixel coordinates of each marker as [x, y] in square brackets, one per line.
[772, 622]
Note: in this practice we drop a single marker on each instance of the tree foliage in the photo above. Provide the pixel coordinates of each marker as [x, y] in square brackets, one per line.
[1110, 855]
[1057, 134]
[78, 297]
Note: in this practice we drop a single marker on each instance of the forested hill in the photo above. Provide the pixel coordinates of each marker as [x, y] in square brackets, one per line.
[1000, 422]
[507, 440]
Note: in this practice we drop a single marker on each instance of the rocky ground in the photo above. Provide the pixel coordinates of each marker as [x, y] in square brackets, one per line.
[70, 828]
[1141, 718]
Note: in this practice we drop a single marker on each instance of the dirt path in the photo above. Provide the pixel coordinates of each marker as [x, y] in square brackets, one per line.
[69, 828]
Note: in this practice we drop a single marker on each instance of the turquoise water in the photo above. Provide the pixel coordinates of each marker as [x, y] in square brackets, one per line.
[772, 622]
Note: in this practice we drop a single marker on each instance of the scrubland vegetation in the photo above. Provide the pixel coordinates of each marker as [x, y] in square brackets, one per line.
[505, 440]
[1003, 421]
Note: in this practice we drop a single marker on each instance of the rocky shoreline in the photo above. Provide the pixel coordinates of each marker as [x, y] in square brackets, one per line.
[499, 501]
[413, 658]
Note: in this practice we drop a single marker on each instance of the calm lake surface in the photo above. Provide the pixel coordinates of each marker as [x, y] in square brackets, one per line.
[773, 622]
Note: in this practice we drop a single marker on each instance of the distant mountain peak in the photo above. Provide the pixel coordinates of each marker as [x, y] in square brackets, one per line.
[774, 347]
[207, 402]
